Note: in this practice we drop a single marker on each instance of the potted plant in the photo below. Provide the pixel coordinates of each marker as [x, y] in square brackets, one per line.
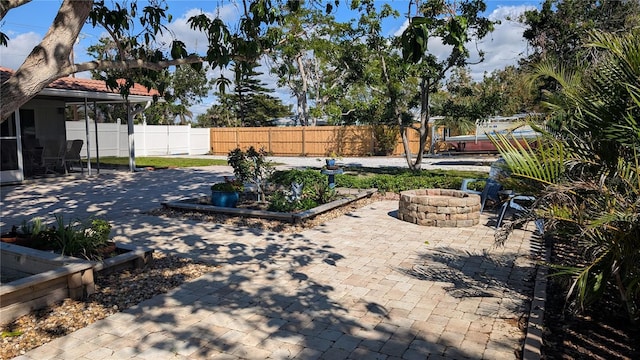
[12, 237]
[227, 193]
[331, 161]
[25, 233]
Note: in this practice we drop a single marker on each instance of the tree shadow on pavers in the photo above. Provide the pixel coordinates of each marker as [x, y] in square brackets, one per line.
[272, 297]
[476, 274]
[261, 318]
[352, 215]
[109, 196]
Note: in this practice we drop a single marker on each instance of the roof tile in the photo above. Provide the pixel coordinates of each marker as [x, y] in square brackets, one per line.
[80, 84]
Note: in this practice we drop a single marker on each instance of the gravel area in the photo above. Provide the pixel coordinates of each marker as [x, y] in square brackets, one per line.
[114, 293]
[120, 291]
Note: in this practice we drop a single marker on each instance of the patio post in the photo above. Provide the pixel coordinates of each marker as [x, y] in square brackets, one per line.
[87, 135]
[132, 149]
[95, 124]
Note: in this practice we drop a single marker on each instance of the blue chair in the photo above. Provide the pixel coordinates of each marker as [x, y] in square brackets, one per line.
[511, 203]
[492, 186]
[490, 192]
[493, 189]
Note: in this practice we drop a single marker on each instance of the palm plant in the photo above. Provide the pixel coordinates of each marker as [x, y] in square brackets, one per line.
[586, 170]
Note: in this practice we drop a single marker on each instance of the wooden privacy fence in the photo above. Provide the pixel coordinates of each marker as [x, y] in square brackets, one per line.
[305, 141]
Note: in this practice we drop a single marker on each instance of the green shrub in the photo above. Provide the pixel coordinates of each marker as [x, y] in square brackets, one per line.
[321, 193]
[386, 139]
[74, 238]
[306, 177]
[397, 181]
[315, 189]
[251, 166]
[279, 201]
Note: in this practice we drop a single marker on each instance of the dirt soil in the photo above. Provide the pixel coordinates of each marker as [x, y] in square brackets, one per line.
[269, 224]
[600, 333]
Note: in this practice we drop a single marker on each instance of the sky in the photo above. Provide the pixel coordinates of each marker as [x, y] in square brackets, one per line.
[27, 25]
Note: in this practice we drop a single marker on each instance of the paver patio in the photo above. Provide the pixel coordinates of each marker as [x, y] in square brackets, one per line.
[363, 286]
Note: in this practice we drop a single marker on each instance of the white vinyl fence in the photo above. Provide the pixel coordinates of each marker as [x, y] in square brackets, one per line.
[150, 140]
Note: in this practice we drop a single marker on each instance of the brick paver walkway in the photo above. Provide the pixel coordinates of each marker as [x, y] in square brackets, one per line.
[362, 286]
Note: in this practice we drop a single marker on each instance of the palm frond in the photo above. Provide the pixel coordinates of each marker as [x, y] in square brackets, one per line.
[544, 164]
[588, 168]
[588, 281]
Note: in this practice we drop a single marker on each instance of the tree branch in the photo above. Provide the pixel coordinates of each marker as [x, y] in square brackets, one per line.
[128, 64]
[6, 5]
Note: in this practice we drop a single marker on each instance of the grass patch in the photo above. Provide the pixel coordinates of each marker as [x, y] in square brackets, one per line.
[384, 179]
[158, 162]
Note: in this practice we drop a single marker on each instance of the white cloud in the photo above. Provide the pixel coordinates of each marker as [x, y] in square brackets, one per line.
[505, 45]
[509, 12]
[400, 30]
[196, 41]
[18, 48]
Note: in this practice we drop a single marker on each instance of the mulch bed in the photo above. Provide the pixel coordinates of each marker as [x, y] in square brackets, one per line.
[599, 333]
[114, 293]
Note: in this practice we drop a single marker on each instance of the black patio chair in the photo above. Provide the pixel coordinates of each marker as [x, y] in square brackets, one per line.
[72, 156]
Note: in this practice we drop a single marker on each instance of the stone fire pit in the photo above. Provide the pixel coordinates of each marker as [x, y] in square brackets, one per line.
[439, 207]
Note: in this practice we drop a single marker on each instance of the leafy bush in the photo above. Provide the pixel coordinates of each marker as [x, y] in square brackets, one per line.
[251, 166]
[405, 179]
[76, 238]
[280, 201]
[315, 190]
[321, 193]
[386, 139]
[307, 177]
[586, 170]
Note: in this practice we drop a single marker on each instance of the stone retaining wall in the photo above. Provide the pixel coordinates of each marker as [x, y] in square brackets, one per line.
[439, 207]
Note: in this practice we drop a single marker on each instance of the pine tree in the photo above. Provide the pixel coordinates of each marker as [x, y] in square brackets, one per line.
[253, 104]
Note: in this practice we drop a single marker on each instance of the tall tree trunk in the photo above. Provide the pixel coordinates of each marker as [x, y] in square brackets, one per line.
[48, 61]
[423, 130]
[425, 114]
[303, 105]
[397, 112]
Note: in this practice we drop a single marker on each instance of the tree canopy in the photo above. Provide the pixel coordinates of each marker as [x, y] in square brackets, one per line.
[561, 28]
[51, 59]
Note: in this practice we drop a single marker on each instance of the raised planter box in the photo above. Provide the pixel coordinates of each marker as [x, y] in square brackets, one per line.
[193, 205]
[130, 257]
[44, 278]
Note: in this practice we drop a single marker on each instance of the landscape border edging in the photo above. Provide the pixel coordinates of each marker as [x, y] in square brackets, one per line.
[532, 347]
